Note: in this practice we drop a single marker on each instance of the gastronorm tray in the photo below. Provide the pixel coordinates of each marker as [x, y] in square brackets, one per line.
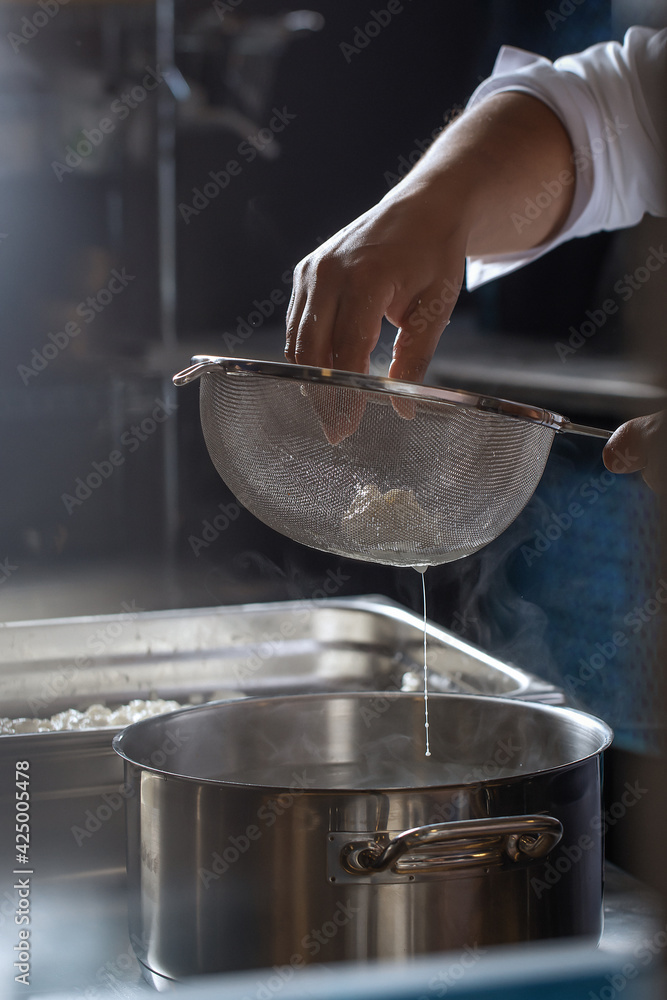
[287, 647]
[77, 846]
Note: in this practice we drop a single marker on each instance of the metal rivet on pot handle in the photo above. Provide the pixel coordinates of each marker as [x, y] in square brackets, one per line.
[533, 836]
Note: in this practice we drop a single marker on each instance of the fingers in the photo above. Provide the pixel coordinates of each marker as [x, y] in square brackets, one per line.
[294, 309]
[331, 324]
[339, 411]
[354, 332]
[638, 446]
[357, 327]
[624, 450]
[309, 323]
[394, 261]
[420, 330]
[334, 319]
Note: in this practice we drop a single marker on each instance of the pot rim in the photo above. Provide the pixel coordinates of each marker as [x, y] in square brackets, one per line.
[605, 733]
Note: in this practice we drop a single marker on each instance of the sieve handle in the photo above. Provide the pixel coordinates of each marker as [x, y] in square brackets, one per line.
[531, 835]
[597, 432]
[203, 363]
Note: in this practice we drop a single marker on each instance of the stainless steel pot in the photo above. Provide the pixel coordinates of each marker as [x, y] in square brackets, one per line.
[284, 831]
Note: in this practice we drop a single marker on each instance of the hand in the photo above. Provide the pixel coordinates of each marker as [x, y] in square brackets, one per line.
[638, 446]
[405, 257]
[402, 259]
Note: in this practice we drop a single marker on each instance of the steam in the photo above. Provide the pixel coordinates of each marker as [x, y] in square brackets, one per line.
[478, 597]
[361, 741]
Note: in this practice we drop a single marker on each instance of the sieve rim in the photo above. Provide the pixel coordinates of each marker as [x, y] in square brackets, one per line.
[224, 366]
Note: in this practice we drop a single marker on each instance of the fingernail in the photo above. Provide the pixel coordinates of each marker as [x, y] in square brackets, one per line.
[406, 408]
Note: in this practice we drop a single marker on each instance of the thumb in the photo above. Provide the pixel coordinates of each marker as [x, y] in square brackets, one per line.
[638, 446]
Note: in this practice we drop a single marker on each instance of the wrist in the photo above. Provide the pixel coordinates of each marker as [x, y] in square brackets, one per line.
[443, 202]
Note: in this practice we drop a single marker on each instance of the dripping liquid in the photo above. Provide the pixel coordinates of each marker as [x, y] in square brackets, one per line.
[427, 752]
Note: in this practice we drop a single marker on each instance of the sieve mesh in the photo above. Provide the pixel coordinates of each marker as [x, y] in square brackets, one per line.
[461, 475]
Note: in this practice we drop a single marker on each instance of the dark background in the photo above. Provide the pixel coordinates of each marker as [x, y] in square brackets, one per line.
[358, 118]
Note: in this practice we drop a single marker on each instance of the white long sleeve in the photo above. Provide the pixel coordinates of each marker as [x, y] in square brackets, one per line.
[612, 99]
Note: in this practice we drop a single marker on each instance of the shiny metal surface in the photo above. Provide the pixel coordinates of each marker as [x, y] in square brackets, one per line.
[205, 363]
[78, 791]
[328, 459]
[228, 834]
[485, 839]
[83, 949]
[82, 944]
[285, 647]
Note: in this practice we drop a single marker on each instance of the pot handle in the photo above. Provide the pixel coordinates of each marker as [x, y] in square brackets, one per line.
[532, 835]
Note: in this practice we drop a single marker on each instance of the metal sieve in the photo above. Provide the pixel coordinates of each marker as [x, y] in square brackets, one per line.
[372, 468]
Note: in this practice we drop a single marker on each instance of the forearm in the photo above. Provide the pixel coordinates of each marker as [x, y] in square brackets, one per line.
[487, 164]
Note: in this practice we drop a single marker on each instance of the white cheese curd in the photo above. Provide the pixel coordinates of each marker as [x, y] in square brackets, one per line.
[95, 717]
[378, 520]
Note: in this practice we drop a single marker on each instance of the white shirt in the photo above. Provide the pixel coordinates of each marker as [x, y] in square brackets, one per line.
[612, 99]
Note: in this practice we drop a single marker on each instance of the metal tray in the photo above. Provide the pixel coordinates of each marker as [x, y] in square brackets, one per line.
[77, 846]
[259, 649]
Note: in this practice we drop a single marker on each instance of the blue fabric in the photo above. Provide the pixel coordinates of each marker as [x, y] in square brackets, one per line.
[589, 560]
